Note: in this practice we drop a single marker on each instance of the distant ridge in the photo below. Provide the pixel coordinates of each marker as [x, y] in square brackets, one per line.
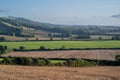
[10, 25]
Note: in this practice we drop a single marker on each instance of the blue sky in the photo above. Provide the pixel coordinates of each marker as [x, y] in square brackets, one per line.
[83, 12]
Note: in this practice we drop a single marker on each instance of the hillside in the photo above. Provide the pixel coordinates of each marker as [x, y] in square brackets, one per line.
[23, 27]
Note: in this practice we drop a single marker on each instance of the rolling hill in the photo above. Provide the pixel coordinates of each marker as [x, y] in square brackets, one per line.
[22, 27]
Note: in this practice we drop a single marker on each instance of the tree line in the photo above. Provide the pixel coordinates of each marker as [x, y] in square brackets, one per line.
[73, 62]
[43, 48]
[28, 61]
[3, 49]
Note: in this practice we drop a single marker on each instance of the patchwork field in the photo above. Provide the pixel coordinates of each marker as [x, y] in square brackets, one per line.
[13, 38]
[87, 54]
[59, 44]
[8, 72]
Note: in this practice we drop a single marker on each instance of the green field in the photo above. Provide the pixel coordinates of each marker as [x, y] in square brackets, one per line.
[67, 44]
[1, 59]
[57, 61]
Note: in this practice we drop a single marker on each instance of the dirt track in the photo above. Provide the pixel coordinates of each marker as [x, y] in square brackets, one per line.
[88, 54]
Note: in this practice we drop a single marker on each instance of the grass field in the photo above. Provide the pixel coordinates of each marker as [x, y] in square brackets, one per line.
[1, 59]
[67, 44]
[8, 72]
[57, 61]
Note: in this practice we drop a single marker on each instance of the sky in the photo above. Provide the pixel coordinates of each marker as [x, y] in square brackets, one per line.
[75, 12]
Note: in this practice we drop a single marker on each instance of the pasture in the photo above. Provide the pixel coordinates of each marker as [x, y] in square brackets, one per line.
[59, 44]
[57, 61]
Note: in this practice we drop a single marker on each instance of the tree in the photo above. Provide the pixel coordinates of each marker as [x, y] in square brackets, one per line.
[42, 48]
[116, 37]
[100, 38]
[82, 37]
[63, 47]
[117, 57]
[37, 38]
[62, 36]
[51, 36]
[7, 61]
[47, 62]
[36, 61]
[28, 61]
[2, 39]
[3, 49]
[23, 60]
[21, 48]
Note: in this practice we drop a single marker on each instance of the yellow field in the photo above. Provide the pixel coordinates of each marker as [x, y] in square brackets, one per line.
[8, 72]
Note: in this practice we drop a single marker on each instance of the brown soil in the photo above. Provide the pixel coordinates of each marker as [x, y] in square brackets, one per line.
[88, 54]
[8, 72]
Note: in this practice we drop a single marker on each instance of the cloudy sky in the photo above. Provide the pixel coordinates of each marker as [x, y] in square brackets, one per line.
[83, 12]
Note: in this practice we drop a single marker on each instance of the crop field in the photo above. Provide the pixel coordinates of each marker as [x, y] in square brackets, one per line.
[14, 38]
[59, 44]
[86, 54]
[8, 72]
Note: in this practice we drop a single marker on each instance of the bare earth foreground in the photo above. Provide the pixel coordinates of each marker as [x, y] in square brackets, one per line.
[88, 54]
[8, 72]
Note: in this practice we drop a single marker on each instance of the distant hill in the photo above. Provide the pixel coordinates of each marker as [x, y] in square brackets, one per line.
[18, 26]
[11, 25]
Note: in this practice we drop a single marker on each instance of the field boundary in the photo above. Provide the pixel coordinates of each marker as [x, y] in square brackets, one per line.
[60, 49]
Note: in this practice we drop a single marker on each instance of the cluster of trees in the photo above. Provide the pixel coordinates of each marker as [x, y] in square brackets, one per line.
[116, 37]
[45, 62]
[116, 62]
[79, 63]
[29, 61]
[117, 58]
[82, 37]
[2, 39]
[26, 61]
[3, 49]
[7, 30]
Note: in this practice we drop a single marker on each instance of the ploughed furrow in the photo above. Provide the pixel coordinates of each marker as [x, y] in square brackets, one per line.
[87, 54]
[8, 72]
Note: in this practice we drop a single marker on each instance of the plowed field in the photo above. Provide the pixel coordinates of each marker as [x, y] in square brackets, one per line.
[58, 73]
[87, 54]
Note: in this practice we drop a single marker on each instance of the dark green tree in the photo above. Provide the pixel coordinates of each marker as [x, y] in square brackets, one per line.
[2, 49]
[42, 48]
[21, 48]
[7, 61]
[2, 39]
[51, 36]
